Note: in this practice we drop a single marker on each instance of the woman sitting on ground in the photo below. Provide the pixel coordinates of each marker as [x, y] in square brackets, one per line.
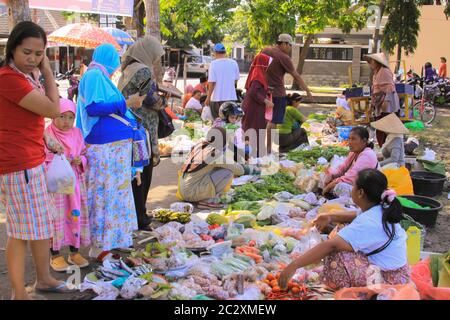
[208, 171]
[393, 151]
[373, 239]
[291, 133]
[361, 157]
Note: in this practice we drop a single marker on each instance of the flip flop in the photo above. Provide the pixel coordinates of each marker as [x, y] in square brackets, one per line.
[210, 205]
[61, 288]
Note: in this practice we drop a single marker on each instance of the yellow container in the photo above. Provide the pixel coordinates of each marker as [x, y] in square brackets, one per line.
[413, 244]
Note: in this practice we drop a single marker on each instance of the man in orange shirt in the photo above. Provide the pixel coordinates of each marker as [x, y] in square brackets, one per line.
[443, 68]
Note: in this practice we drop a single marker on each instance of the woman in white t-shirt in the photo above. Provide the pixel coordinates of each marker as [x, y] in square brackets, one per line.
[373, 240]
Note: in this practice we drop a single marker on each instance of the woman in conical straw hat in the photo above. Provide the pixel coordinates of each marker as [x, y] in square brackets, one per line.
[384, 96]
[393, 151]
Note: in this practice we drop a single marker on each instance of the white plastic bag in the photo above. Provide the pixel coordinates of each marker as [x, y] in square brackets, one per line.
[60, 176]
[207, 114]
[182, 207]
[429, 155]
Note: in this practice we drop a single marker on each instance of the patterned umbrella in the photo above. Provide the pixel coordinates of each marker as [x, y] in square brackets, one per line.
[82, 35]
[121, 36]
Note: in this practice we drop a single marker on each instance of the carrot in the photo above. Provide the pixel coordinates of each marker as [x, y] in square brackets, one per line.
[253, 256]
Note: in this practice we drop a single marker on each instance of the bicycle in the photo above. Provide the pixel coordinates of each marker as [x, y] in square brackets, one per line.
[424, 109]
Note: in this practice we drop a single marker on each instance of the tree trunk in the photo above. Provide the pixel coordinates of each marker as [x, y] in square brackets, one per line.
[18, 10]
[302, 58]
[153, 18]
[399, 57]
[376, 35]
[154, 28]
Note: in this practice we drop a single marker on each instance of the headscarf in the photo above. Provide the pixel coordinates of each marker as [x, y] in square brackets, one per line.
[71, 140]
[96, 85]
[258, 70]
[189, 89]
[145, 51]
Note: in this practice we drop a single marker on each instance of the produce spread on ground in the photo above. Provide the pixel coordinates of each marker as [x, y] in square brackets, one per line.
[239, 252]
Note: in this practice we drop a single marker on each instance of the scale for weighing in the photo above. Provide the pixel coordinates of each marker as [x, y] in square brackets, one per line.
[359, 102]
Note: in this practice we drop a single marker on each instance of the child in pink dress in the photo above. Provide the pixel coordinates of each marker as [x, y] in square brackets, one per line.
[71, 222]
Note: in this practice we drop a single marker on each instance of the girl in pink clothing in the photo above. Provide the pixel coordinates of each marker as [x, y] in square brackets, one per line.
[340, 180]
[71, 221]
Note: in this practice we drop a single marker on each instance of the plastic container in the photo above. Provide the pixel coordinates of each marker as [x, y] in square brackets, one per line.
[413, 244]
[344, 132]
[427, 183]
[427, 217]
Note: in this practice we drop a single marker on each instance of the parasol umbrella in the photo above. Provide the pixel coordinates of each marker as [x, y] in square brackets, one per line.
[82, 35]
[121, 36]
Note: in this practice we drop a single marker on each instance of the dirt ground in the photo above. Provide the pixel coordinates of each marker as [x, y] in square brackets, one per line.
[163, 190]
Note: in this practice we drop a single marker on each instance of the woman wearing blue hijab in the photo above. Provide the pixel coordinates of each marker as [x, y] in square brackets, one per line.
[109, 147]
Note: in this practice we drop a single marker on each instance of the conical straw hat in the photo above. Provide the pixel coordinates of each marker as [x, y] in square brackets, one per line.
[379, 57]
[390, 124]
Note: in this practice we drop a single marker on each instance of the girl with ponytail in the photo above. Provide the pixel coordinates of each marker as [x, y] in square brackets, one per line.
[372, 240]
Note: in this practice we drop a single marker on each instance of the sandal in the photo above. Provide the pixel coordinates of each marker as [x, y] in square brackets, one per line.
[61, 288]
[210, 205]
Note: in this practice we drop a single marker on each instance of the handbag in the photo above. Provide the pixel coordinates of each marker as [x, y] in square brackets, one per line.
[141, 150]
[165, 124]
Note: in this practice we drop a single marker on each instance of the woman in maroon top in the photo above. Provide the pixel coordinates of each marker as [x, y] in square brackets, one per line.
[24, 103]
[256, 100]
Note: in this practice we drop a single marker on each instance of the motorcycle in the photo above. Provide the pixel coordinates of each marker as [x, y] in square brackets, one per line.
[72, 90]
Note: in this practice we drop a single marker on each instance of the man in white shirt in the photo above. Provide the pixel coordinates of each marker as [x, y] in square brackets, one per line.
[222, 80]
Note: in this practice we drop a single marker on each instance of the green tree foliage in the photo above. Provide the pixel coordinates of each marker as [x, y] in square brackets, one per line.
[402, 27]
[195, 21]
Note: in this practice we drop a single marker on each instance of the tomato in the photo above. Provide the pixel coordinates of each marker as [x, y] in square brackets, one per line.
[291, 284]
[274, 283]
[252, 243]
[295, 290]
[270, 277]
[276, 289]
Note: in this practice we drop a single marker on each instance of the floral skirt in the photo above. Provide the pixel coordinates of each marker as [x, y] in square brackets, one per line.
[350, 269]
[112, 212]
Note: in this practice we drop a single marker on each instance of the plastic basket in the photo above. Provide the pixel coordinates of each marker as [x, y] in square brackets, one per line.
[344, 132]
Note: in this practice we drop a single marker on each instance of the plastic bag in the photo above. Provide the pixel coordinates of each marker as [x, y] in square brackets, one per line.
[131, 287]
[283, 196]
[104, 290]
[218, 250]
[234, 230]
[182, 207]
[207, 114]
[421, 276]
[266, 213]
[429, 155]
[399, 180]
[336, 161]
[384, 292]
[60, 176]
[169, 233]
[308, 241]
[252, 292]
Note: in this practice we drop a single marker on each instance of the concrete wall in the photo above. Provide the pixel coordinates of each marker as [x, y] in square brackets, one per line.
[433, 40]
[331, 73]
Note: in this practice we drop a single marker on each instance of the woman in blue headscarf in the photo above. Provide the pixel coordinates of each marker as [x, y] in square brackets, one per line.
[109, 146]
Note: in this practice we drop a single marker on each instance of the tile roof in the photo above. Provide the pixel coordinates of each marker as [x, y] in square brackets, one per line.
[50, 20]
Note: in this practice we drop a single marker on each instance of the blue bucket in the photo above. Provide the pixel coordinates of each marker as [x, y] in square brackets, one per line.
[344, 132]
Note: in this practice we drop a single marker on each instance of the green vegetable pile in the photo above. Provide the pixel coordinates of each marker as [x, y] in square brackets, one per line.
[310, 157]
[192, 116]
[318, 116]
[252, 206]
[264, 190]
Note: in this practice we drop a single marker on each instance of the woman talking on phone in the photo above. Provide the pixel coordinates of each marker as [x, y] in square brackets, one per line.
[24, 103]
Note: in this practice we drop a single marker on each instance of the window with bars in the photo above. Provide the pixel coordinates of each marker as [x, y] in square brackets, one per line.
[363, 52]
[320, 53]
